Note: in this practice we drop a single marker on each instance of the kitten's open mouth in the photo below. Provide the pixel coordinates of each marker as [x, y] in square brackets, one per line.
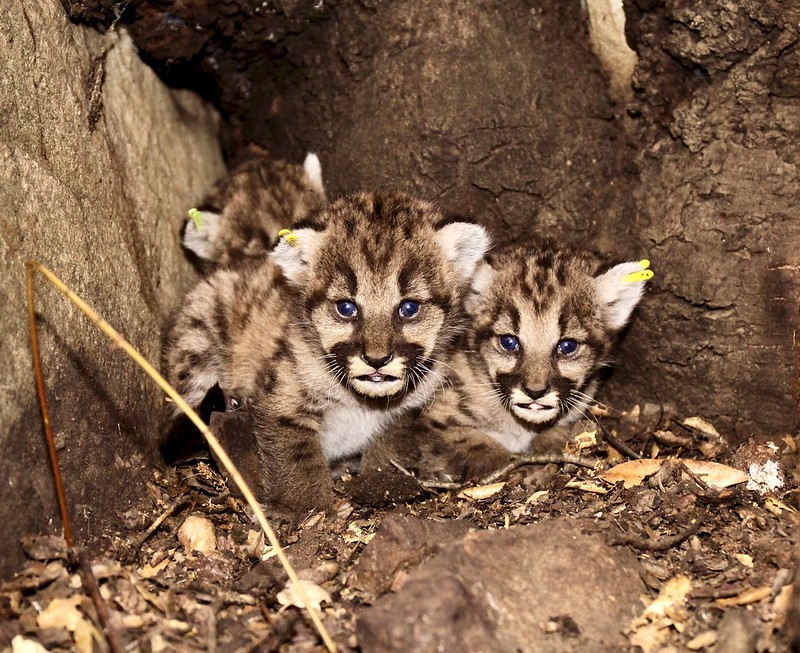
[534, 405]
[377, 377]
[535, 413]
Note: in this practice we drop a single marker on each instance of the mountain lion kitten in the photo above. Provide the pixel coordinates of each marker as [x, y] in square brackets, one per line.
[330, 338]
[242, 214]
[544, 321]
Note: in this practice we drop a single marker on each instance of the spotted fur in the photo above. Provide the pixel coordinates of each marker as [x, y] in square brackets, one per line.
[503, 400]
[242, 214]
[269, 333]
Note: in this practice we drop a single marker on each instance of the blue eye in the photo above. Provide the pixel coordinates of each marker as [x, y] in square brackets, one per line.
[346, 308]
[567, 347]
[509, 343]
[409, 309]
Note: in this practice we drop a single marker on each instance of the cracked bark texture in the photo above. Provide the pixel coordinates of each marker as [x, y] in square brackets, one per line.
[499, 112]
[95, 191]
[718, 198]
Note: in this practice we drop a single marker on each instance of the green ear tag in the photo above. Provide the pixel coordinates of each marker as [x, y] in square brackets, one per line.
[289, 236]
[197, 218]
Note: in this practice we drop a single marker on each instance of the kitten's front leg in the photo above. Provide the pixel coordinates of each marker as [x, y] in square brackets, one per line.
[295, 476]
[433, 450]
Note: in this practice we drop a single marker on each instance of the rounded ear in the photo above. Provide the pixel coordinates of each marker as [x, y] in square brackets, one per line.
[200, 234]
[481, 280]
[620, 289]
[465, 244]
[294, 253]
[313, 170]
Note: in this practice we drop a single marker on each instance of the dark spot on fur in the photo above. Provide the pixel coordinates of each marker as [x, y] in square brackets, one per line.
[220, 316]
[407, 275]
[197, 324]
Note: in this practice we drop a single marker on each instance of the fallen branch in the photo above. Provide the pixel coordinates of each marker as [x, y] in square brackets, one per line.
[662, 544]
[538, 459]
[520, 461]
[213, 442]
[618, 444]
[171, 508]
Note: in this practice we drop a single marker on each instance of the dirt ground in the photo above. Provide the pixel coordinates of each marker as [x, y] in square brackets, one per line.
[549, 558]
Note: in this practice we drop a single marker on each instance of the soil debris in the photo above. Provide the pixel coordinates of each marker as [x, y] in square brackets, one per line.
[554, 558]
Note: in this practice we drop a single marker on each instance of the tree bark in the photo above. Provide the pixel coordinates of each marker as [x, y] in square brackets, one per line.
[718, 197]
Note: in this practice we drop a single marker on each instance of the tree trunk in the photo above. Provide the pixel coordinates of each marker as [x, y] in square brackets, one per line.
[719, 85]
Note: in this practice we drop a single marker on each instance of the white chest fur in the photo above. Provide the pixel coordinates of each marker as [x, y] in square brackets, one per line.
[347, 430]
[513, 436]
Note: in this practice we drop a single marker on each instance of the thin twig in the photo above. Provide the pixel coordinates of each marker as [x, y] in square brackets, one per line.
[538, 459]
[48, 431]
[520, 461]
[706, 492]
[400, 468]
[212, 440]
[663, 544]
[90, 583]
[171, 508]
[618, 444]
[440, 485]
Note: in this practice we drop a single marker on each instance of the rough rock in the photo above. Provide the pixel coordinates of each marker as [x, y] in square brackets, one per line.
[716, 211]
[97, 166]
[498, 111]
[545, 587]
[402, 543]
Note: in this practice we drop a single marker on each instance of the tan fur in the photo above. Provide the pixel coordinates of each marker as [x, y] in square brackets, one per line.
[502, 402]
[243, 213]
[320, 385]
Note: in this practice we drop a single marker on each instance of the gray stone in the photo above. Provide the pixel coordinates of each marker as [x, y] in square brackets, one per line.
[400, 543]
[97, 196]
[539, 588]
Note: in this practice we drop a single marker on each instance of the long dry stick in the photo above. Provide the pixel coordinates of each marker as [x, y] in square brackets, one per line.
[90, 583]
[216, 447]
[48, 430]
[76, 557]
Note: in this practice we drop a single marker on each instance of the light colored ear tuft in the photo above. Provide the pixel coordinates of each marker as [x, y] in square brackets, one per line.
[481, 281]
[464, 244]
[313, 170]
[295, 257]
[620, 289]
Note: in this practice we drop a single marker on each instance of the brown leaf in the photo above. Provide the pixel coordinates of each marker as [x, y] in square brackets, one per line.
[634, 472]
[313, 592]
[481, 491]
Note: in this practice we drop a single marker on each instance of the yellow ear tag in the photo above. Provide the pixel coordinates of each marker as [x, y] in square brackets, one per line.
[289, 235]
[197, 218]
[642, 275]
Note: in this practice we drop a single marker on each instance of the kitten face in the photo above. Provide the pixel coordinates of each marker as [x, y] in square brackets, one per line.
[545, 323]
[382, 278]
